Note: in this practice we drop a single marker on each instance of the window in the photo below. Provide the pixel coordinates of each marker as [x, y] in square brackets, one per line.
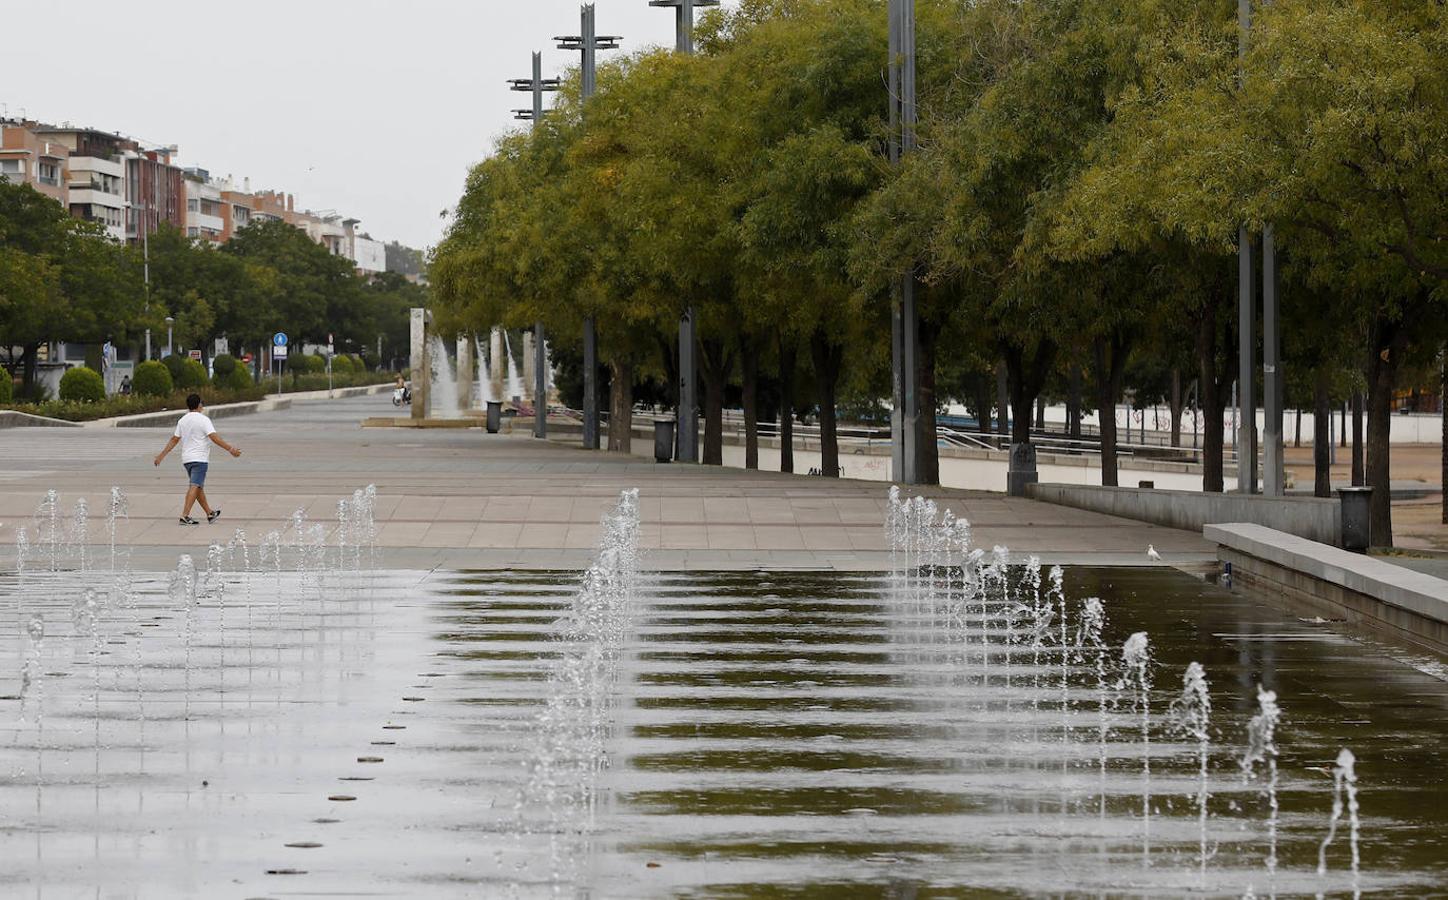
[191, 206]
[193, 231]
[48, 173]
[11, 167]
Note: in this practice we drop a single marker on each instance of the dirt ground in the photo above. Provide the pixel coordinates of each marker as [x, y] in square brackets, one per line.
[1417, 524]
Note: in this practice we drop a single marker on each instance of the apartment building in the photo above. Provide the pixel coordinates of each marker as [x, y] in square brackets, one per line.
[206, 213]
[97, 182]
[27, 157]
[110, 179]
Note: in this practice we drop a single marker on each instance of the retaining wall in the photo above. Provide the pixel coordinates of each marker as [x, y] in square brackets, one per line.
[1312, 518]
[1408, 606]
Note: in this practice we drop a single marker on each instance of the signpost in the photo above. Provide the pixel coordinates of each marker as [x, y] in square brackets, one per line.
[279, 353]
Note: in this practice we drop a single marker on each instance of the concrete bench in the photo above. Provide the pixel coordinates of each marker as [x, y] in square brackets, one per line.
[1410, 606]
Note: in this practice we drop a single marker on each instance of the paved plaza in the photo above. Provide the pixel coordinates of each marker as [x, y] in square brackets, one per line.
[465, 499]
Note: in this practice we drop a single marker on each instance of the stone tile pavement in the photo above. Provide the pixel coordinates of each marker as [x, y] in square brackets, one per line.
[465, 499]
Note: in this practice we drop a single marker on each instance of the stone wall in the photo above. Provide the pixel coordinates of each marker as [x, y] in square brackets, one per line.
[1313, 518]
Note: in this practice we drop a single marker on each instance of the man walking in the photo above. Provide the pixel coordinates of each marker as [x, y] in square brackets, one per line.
[196, 434]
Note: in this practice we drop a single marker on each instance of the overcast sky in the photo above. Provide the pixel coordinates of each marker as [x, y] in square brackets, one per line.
[372, 108]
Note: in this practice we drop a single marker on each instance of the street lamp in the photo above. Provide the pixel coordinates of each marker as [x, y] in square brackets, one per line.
[169, 330]
[904, 320]
[688, 435]
[588, 43]
[536, 86]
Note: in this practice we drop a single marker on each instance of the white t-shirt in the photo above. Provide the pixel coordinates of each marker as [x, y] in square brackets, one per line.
[195, 431]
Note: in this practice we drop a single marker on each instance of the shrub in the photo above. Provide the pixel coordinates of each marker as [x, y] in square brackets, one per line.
[82, 385]
[358, 363]
[175, 365]
[7, 386]
[238, 379]
[315, 363]
[193, 375]
[341, 365]
[152, 379]
[222, 365]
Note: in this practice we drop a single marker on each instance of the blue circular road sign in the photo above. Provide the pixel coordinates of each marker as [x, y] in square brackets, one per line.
[280, 339]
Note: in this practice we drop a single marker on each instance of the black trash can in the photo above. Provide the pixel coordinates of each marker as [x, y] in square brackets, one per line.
[495, 416]
[663, 440]
[1356, 518]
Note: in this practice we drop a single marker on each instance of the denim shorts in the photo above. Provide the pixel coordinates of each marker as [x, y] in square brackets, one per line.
[196, 473]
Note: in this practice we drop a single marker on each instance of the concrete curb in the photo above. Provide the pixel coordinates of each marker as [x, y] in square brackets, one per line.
[1313, 518]
[10, 418]
[1410, 605]
[273, 402]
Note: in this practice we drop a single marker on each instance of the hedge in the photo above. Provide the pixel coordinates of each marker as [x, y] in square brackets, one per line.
[7, 386]
[222, 365]
[341, 365]
[174, 364]
[193, 375]
[82, 385]
[238, 379]
[152, 379]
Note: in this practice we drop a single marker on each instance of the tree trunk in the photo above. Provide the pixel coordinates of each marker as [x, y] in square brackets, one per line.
[927, 430]
[28, 361]
[1040, 413]
[1322, 434]
[1297, 439]
[983, 403]
[1443, 414]
[620, 408]
[1387, 345]
[1177, 405]
[1003, 423]
[1110, 372]
[749, 376]
[1359, 463]
[787, 351]
[1026, 378]
[827, 359]
[1073, 403]
[716, 366]
[1212, 399]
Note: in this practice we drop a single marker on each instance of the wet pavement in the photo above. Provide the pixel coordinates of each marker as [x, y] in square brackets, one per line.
[763, 735]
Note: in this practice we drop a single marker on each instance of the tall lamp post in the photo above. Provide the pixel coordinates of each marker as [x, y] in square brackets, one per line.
[1273, 474]
[170, 346]
[588, 43]
[688, 442]
[537, 85]
[904, 320]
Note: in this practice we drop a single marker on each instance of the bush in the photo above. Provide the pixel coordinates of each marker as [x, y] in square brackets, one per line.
[152, 379]
[341, 365]
[175, 365]
[238, 379]
[193, 375]
[222, 365]
[82, 385]
[7, 386]
[315, 363]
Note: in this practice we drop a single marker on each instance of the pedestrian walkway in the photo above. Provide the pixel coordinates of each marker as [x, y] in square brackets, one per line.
[465, 499]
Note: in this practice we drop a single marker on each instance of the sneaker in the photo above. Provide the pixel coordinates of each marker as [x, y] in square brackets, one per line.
[187, 520]
[213, 516]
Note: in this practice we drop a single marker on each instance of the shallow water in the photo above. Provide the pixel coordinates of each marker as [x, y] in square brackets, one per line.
[766, 735]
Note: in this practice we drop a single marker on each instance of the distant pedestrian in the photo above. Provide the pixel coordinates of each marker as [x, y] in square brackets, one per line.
[196, 434]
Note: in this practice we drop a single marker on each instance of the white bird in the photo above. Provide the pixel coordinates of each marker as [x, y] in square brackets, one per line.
[1151, 553]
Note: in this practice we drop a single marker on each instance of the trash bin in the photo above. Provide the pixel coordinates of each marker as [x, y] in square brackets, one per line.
[663, 440]
[1356, 518]
[495, 416]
